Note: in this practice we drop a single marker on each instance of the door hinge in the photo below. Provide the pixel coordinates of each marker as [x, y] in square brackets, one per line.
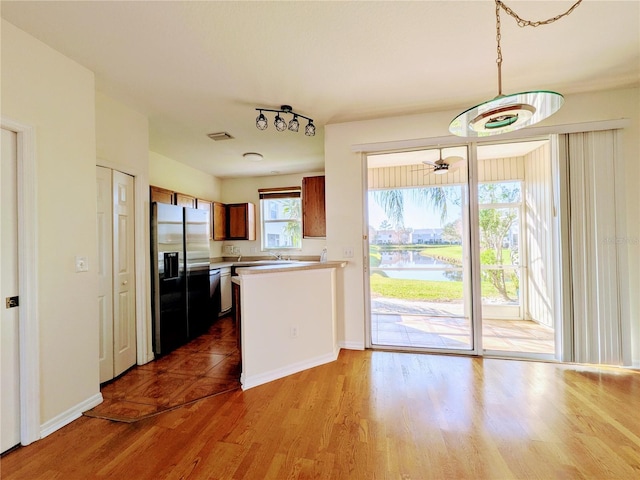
[12, 302]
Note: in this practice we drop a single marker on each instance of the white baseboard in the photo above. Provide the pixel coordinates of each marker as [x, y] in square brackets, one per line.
[65, 418]
[255, 380]
[351, 345]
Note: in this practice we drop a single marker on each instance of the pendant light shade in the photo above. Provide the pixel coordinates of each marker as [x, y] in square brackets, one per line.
[506, 113]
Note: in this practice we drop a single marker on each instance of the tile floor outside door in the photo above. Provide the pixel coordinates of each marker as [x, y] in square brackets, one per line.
[442, 325]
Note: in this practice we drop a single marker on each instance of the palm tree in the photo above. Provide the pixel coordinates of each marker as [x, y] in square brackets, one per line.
[291, 208]
[392, 201]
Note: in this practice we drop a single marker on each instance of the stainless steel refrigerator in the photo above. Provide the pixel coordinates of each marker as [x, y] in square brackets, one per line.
[180, 275]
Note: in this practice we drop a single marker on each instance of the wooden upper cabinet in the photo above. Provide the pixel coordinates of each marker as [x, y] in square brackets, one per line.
[241, 221]
[185, 200]
[219, 221]
[206, 205]
[314, 224]
[161, 195]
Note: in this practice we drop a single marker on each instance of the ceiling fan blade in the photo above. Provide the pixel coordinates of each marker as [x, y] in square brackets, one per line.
[453, 160]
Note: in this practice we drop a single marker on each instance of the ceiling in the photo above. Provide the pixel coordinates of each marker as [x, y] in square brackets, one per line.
[198, 67]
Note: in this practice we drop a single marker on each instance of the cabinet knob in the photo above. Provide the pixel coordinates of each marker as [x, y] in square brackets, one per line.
[125, 282]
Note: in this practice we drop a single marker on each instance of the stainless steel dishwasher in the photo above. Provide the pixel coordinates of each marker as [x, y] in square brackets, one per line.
[225, 290]
[214, 292]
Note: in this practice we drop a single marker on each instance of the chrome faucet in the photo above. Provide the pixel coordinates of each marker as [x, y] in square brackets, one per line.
[278, 255]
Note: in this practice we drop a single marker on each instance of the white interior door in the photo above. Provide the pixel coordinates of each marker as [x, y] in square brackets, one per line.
[10, 383]
[105, 271]
[124, 298]
[116, 272]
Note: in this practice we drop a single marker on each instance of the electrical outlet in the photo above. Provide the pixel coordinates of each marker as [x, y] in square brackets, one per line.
[293, 332]
[347, 252]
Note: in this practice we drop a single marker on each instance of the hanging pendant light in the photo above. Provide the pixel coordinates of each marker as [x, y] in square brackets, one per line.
[506, 113]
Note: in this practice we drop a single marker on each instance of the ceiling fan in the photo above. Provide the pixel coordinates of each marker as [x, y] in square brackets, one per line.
[441, 166]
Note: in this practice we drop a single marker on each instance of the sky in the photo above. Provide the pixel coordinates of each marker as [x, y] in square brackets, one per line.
[415, 216]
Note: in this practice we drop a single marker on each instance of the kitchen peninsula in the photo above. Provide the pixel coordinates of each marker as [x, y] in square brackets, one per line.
[288, 318]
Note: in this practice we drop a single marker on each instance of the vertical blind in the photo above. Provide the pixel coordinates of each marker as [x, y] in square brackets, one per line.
[597, 269]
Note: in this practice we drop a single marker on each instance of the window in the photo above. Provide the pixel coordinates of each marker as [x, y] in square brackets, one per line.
[281, 217]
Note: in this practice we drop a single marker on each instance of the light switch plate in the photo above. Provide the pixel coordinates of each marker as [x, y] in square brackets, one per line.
[82, 263]
[347, 252]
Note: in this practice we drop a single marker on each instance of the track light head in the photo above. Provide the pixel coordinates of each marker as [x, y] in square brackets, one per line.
[261, 121]
[294, 124]
[280, 124]
[310, 129]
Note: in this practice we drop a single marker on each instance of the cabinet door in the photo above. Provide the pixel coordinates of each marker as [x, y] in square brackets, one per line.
[161, 195]
[219, 221]
[241, 221]
[313, 207]
[206, 205]
[185, 200]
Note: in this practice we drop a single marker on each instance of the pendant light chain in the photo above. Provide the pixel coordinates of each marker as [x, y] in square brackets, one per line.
[521, 23]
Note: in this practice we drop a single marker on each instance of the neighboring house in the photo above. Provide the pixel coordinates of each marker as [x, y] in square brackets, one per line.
[427, 235]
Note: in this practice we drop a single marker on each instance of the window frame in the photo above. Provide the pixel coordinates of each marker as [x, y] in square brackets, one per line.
[266, 194]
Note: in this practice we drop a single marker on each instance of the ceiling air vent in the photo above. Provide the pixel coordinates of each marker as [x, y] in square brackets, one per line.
[219, 136]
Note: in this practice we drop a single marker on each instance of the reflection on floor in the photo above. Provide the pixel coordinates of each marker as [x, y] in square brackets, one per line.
[206, 366]
[419, 330]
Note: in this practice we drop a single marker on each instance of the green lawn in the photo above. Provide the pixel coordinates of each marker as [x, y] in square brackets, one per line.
[436, 291]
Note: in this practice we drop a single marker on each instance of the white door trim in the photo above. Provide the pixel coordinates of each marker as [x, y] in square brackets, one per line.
[28, 281]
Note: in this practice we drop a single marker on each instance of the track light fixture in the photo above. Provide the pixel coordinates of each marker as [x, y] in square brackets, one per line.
[506, 113]
[281, 124]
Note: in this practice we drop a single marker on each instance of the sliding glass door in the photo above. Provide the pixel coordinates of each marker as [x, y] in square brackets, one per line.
[419, 281]
[420, 252]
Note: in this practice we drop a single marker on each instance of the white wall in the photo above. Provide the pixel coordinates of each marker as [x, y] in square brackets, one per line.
[344, 187]
[245, 189]
[167, 173]
[42, 88]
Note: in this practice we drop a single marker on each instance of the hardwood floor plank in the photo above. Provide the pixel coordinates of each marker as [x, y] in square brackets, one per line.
[371, 415]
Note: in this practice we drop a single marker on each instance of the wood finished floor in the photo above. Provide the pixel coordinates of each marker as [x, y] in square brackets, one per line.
[371, 415]
[208, 365]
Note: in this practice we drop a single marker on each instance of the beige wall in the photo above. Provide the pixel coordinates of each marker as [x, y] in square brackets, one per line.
[245, 189]
[48, 91]
[167, 173]
[345, 192]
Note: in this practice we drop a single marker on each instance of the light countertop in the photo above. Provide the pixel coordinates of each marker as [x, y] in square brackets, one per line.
[286, 267]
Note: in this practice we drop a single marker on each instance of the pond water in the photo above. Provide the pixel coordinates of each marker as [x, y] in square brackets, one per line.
[411, 265]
